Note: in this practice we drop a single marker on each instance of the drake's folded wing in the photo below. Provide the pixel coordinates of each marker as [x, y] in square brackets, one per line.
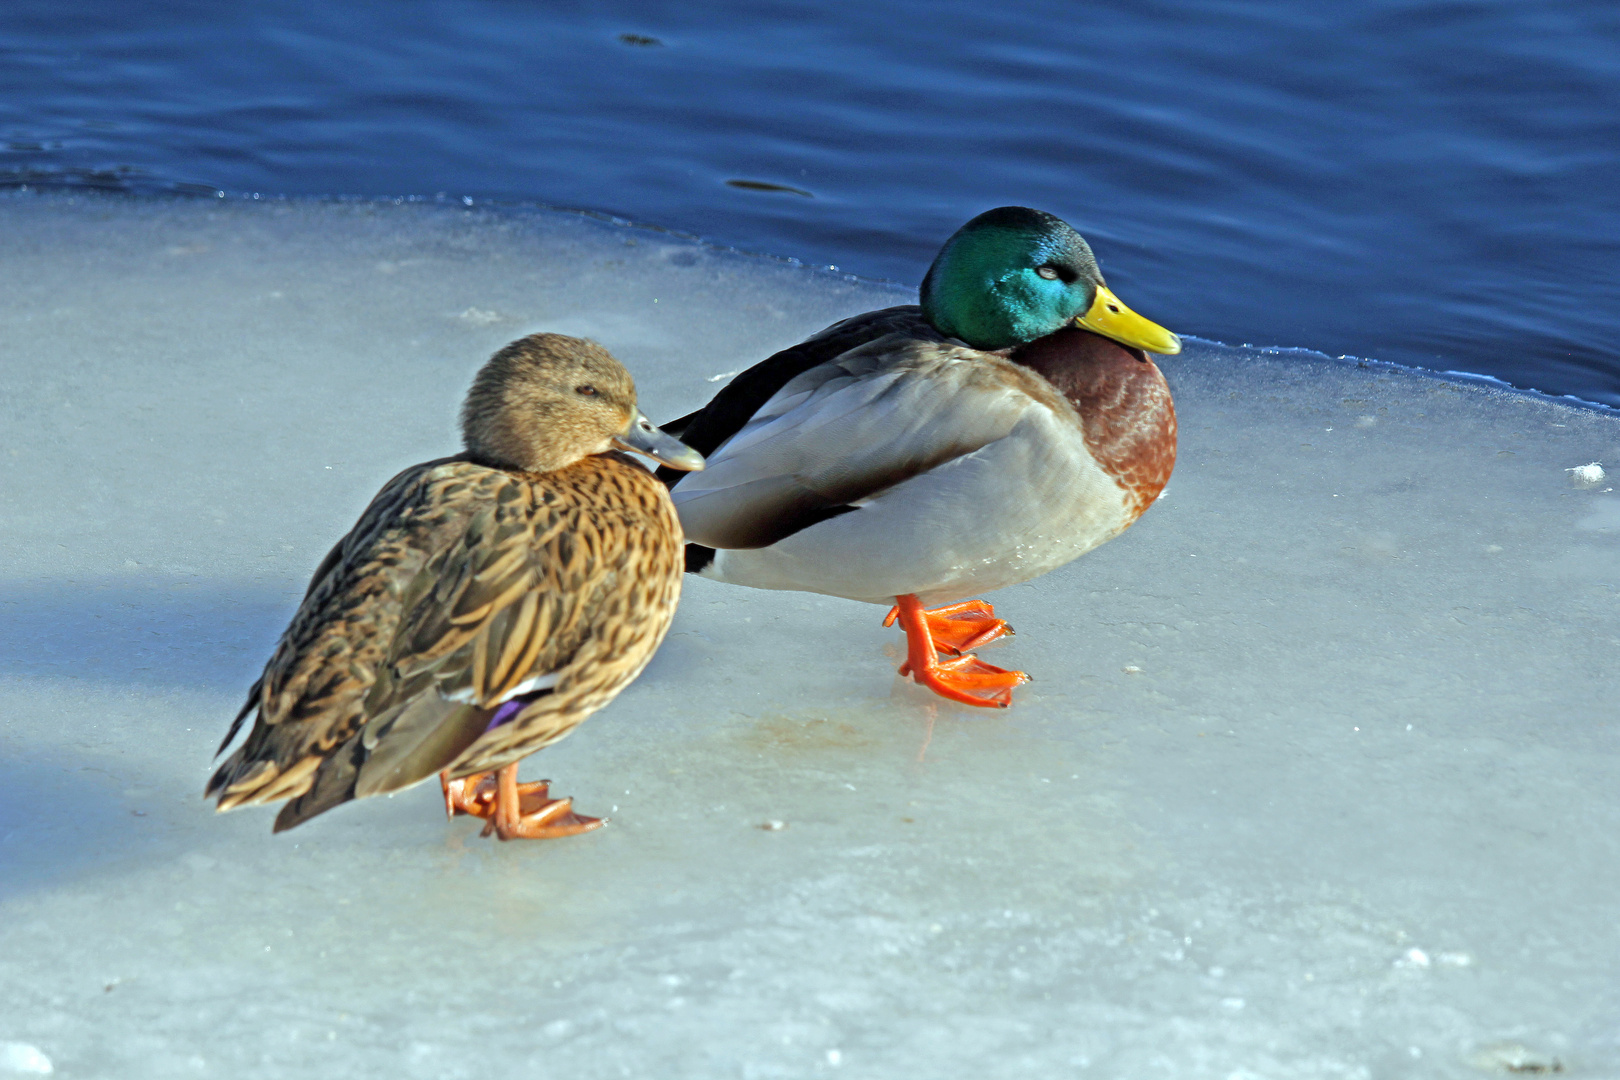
[736, 404]
[845, 432]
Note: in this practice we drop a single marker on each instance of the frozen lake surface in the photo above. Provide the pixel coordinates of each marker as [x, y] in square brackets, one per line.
[1317, 777]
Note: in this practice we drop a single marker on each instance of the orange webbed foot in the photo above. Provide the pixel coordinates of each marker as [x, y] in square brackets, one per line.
[966, 679]
[527, 811]
[475, 794]
[536, 816]
[957, 628]
[969, 680]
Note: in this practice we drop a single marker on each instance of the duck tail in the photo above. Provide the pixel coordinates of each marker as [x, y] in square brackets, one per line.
[247, 708]
[698, 558]
[333, 785]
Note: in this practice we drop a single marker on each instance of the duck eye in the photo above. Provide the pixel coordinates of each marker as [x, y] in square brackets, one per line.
[1048, 272]
[585, 390]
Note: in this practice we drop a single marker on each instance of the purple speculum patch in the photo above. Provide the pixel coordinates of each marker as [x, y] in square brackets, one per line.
[511, 707]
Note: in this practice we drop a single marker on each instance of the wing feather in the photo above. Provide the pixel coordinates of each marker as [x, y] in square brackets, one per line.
[843, 433]
[738, 402]
[393, 635]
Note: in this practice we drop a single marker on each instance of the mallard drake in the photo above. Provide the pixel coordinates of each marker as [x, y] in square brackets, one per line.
[918, 455]
[481, 608]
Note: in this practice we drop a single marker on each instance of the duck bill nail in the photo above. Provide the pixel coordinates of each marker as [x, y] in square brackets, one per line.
[645, 438]
[1112, 319]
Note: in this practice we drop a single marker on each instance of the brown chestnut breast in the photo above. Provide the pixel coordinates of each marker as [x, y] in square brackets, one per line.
[1124, 404]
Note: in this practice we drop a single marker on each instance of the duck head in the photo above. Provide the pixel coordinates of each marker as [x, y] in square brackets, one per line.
[1012, 275]
[547, 401]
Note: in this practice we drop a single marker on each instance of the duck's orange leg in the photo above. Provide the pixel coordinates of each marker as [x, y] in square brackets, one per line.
[527, 812]
[477, 795]
[966, 679]
[956, 628]
[473, 794]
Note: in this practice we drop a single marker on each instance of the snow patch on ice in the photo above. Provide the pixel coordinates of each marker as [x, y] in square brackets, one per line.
[1588, 474]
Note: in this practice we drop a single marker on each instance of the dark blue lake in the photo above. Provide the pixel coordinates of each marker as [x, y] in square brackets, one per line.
[1433, 183]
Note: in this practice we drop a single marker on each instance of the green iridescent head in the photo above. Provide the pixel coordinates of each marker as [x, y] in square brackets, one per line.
[1013, 274]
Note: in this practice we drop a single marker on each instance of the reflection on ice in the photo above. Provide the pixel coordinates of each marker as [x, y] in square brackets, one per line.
[1316, 777]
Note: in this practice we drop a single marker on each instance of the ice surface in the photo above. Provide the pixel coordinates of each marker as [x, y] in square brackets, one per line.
[1317, 777]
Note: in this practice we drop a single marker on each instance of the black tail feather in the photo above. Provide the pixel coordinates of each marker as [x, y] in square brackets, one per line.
[698, 557]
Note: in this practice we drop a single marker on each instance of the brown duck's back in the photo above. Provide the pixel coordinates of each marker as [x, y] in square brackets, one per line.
[459, 583]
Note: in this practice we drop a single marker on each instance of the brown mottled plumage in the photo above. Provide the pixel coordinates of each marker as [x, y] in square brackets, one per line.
[539, 568]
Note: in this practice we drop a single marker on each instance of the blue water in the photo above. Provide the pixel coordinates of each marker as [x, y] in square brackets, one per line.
[1432, 183]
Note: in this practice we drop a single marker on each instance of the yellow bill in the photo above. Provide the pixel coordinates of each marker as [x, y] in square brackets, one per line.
[1112, 319]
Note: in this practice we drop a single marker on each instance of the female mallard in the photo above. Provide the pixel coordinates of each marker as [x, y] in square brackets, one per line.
[481, 608]
[920, 454]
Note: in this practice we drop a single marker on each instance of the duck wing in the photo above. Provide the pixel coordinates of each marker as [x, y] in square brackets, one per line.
[448, 599]
[725, 415]
[364, 563]
[332, 560]
[843, 432]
